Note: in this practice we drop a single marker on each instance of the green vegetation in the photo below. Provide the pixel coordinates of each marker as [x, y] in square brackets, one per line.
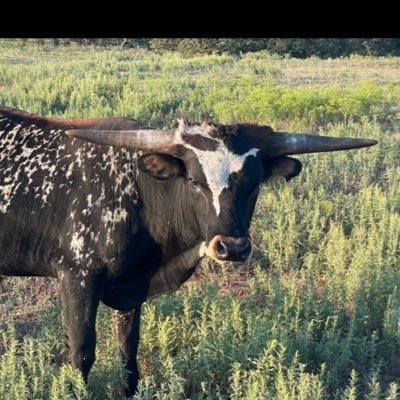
[315, 314]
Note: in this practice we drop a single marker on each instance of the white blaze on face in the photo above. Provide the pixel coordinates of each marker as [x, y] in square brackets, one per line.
[218, 165]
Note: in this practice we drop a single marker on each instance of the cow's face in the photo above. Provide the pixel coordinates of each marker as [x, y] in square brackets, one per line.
[221, 175]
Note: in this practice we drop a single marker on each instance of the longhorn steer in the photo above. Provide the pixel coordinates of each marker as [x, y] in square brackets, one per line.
[129, 217]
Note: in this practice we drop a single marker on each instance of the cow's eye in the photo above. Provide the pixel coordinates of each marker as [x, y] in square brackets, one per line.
[193, 183]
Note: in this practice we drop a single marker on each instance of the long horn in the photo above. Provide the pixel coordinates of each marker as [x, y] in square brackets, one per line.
[141, 139]
[282, 143]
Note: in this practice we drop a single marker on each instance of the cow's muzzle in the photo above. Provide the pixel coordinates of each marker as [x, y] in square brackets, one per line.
[224, 248]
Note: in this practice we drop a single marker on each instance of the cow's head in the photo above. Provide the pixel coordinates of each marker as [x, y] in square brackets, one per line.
[222, 167]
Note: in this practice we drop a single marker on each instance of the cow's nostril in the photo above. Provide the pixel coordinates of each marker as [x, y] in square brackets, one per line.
[242, 248]
[243, 245]
[222, 250]
[232, 249]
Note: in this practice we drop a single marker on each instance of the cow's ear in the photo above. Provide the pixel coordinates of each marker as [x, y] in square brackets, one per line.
[282, 166]
[161, 166]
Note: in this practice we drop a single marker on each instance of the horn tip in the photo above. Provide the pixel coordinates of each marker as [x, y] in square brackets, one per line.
[370, 142]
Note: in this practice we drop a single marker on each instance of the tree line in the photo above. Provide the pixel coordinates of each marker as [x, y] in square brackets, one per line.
[292, 47]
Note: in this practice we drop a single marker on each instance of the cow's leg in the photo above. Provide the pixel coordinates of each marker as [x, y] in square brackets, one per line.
[2, 290]
[80, 299]
[127, 326]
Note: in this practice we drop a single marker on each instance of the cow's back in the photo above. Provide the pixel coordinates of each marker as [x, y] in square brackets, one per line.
[61, 200]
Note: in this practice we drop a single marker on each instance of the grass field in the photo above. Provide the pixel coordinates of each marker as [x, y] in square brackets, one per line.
[315, 314]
